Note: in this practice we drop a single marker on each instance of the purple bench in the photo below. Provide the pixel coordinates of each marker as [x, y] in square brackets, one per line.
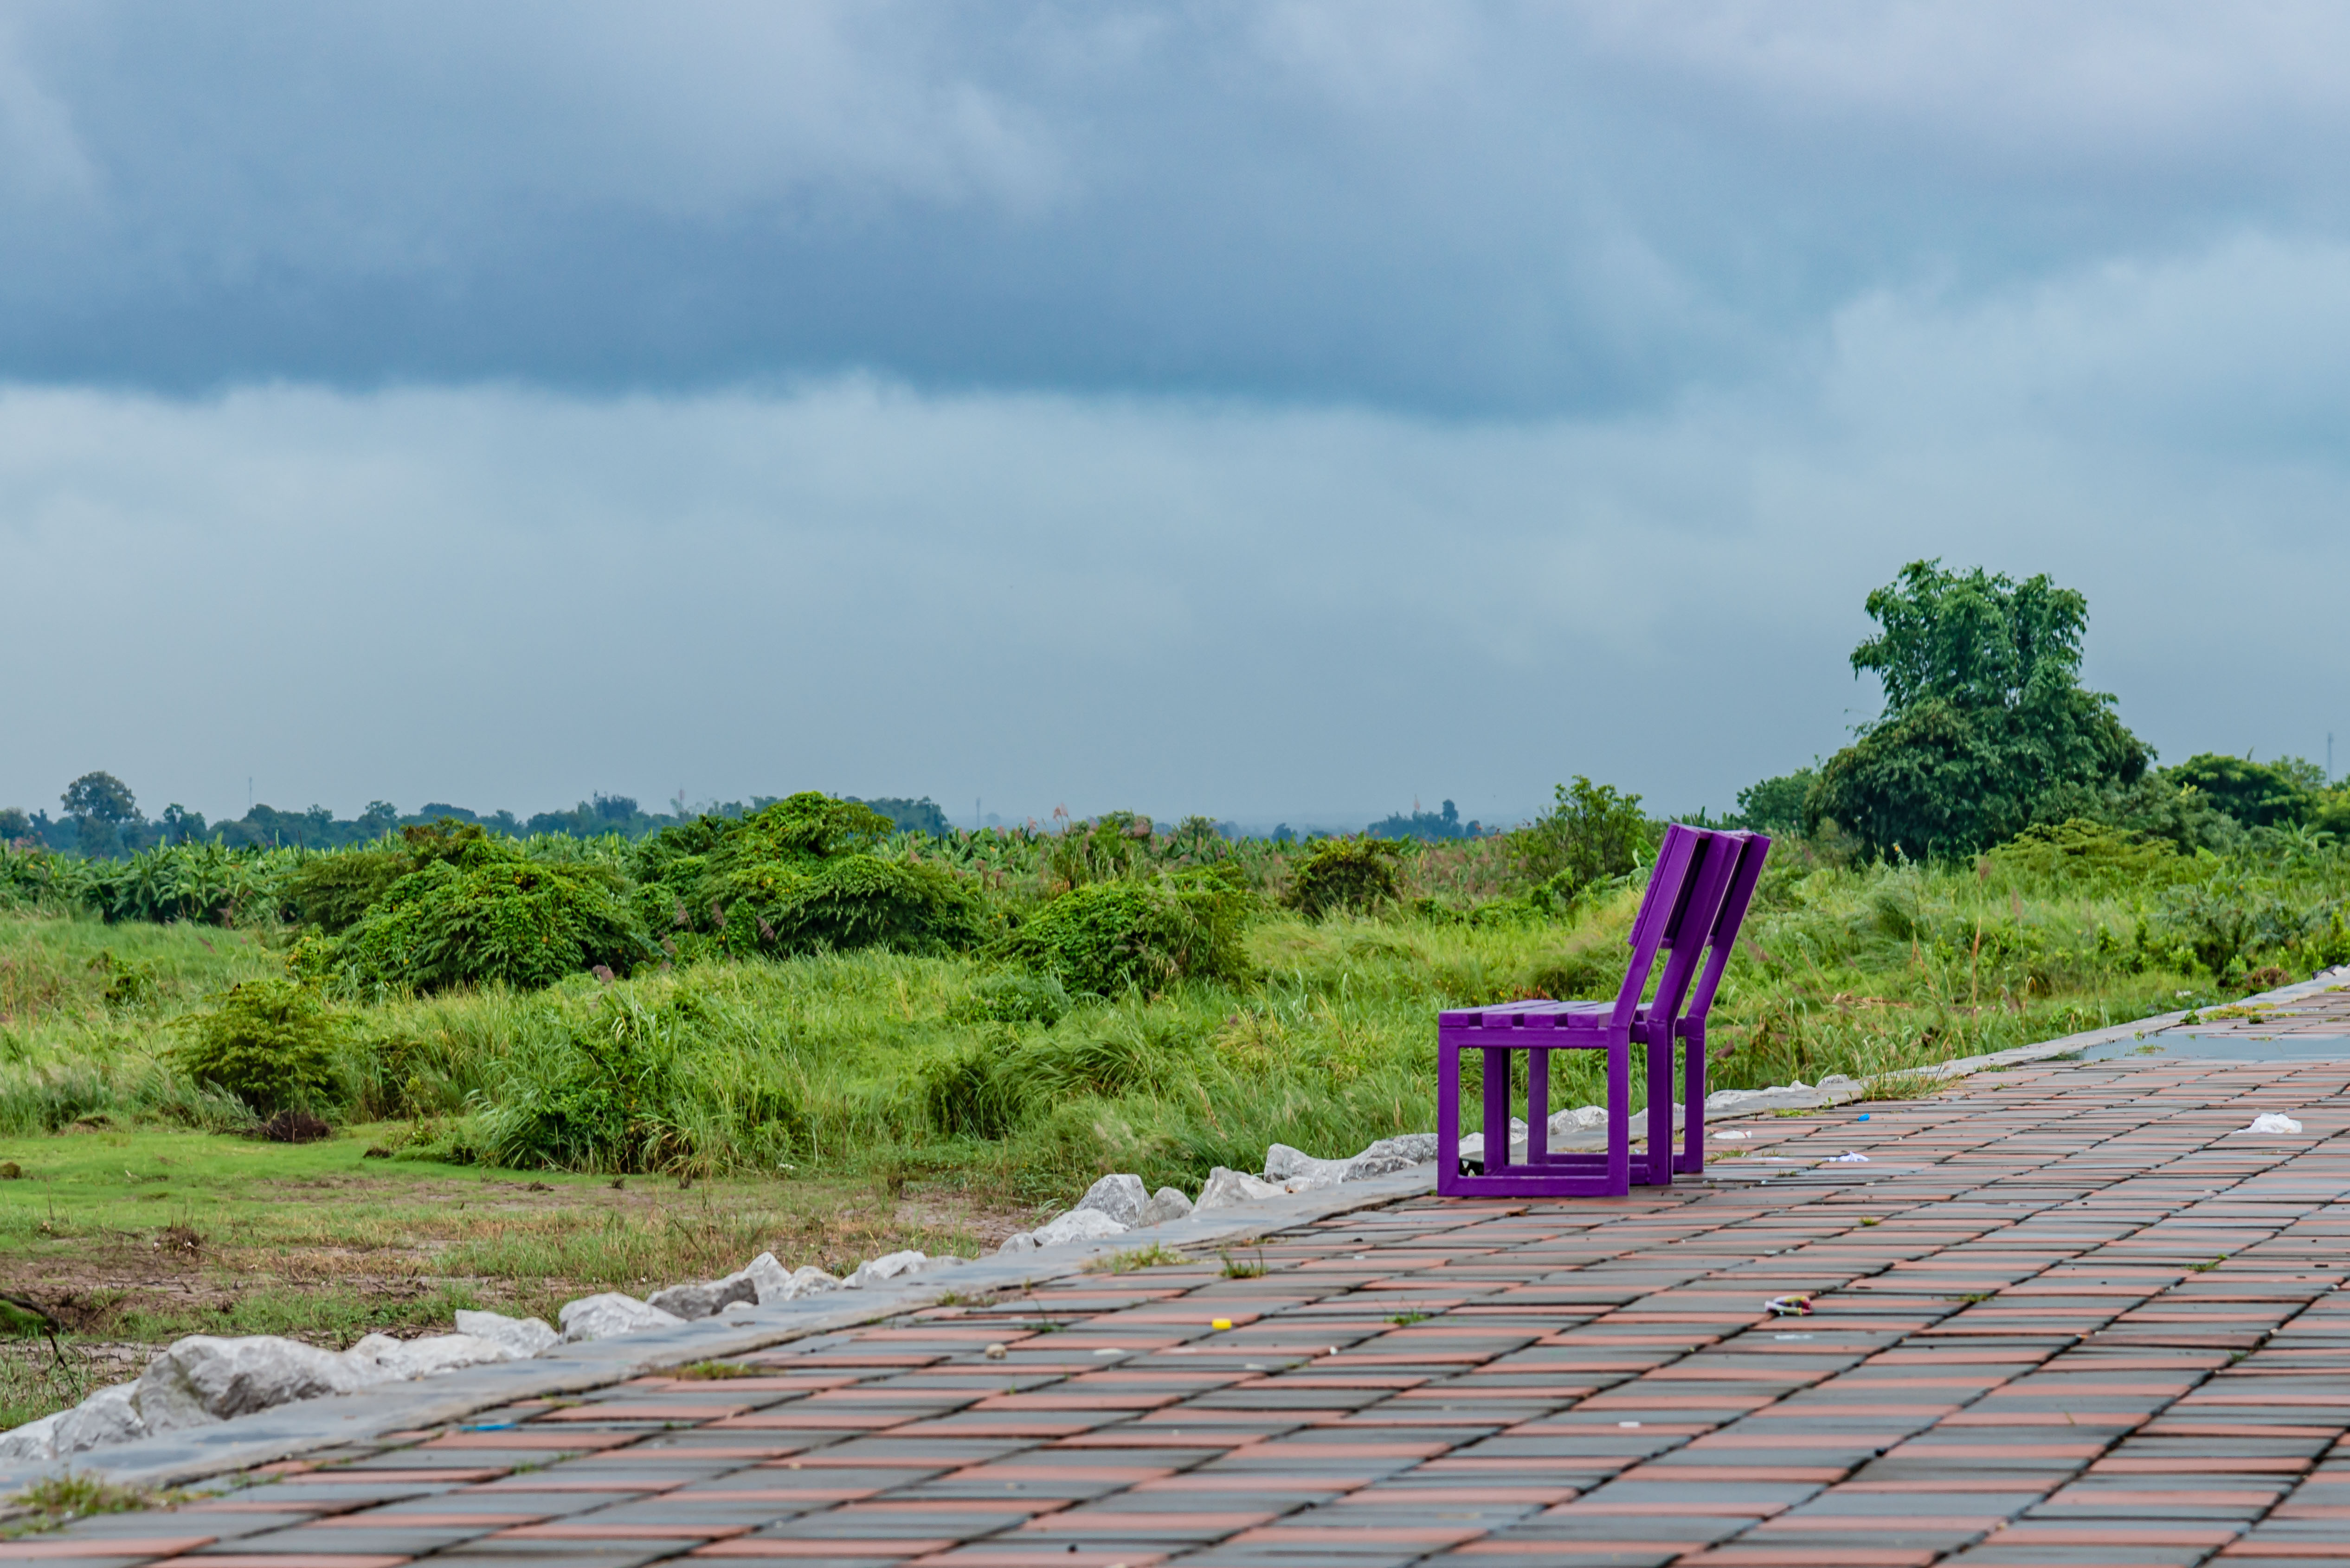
[1697, 897]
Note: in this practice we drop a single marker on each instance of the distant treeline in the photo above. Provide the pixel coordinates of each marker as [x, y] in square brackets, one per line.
[101, 820]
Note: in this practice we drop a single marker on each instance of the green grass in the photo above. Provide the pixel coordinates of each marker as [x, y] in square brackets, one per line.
[835, 1106]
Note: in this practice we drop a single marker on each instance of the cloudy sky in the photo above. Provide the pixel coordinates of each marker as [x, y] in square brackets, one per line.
[1286, 409]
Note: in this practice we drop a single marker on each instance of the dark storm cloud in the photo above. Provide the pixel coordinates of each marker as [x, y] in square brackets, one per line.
[1461, 209]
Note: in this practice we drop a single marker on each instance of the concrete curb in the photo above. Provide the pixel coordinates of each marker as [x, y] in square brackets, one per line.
[290, 1431]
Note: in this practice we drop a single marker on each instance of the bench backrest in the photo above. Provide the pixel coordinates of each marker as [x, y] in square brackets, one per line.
[1685, 891]
[1753, 850]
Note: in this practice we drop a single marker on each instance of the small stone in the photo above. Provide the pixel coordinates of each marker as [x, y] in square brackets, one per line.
[1226, 1189]
[525, 1336]
[610, 1314]
[808, 1280]
[995, 1353]
[1019, 1242]
[1390, 1155]
[1166, 1205]
[1078, 1225]
[1119, 1197]
[881, 1269]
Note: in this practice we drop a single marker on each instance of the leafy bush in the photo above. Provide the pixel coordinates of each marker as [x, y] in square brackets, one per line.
[1775, 805]
[802, 874]
[333, 891]
[490, 913]
[1356, 875]
[1592, 834]
[1110, 937]
[270, 1043]
[2257, 795]
[2083, 852]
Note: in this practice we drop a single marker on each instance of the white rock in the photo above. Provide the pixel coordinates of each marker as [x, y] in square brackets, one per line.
[109, 1416]
[1294, 1170]
[34, 1439]
[1119, 1197]
[1080, 1225]
[1019, 1242]
[525, 1336]
[2273, 1122]
[202, 1379]
[736, 1308]
[1227, 1187]
[1166, 1204]
[881, 1269]
[400, 1359]
[1732, 1134]
[808, 1280]
[769, 1277]
[610, 1314]
[1390, 1155]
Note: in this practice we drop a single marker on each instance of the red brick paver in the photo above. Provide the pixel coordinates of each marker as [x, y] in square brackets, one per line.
[2072, 1314]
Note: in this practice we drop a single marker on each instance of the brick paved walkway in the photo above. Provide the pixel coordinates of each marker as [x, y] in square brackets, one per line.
[2066, 1315]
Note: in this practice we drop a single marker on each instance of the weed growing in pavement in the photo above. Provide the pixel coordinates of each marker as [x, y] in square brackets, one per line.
[1243, 1268]
[1153, 1256]
[56, 1501]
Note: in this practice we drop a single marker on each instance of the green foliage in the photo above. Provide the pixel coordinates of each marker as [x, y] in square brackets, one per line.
[1012, 998]
[2080, 852]
[1110, 937]
[1592, 834]
[804, 874]
[270, 1043]
[480, 911]
[1775, 805]
[1351, 874]
[2257, 795]
[599, 1095]
[1986, 729]
[1112, 845]
[332, 892]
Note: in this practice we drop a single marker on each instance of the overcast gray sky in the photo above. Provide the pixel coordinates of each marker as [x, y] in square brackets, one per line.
[1276, 410]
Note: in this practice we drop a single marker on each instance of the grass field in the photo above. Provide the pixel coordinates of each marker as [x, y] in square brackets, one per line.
[835, 1106]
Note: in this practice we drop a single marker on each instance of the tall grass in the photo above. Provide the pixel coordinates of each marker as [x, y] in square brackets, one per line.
[878, 1062]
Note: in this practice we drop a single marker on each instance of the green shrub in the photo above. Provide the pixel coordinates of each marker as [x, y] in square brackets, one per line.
[490, 913]
[2082, 852]
[333, 891]
[635, 1086]
[1012, 998]
[270, 1043]
[800, 875]
[1110, 937]
[1592, 834]
[1352, 875]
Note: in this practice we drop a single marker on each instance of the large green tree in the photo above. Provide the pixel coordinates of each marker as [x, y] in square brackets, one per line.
[1986, 728]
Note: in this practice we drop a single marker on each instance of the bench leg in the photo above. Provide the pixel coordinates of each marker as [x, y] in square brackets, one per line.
[1448, 1116]
[1619, 1116]
[1538, 1105]
[1692, 1159]
[1657, 1165]
[1497, 1109]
